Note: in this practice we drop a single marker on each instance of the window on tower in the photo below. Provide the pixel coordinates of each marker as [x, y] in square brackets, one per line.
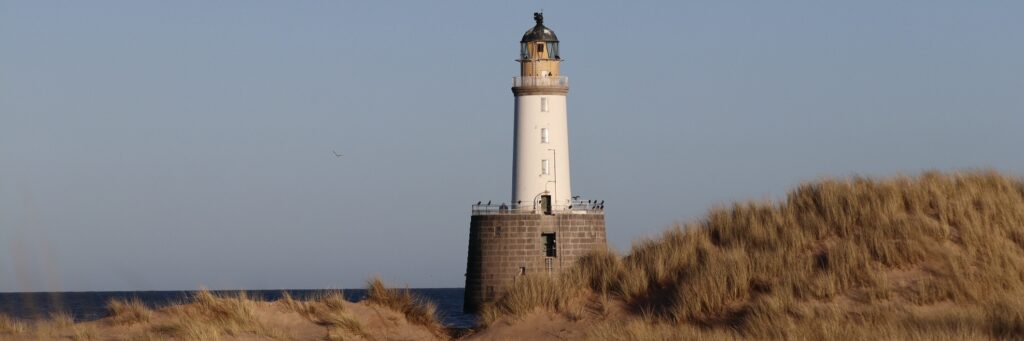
[540, 49]
[524, 51]
[544, 104]
[543, 135]
[550, 244]
[544, 169]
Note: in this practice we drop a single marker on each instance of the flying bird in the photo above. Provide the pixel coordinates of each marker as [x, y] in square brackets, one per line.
[337, 154]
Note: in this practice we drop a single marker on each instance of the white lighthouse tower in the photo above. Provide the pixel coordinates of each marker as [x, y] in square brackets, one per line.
[545, 230]
[540, 162]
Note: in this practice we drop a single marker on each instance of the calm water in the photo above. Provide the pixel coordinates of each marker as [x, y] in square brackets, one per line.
[86, 306]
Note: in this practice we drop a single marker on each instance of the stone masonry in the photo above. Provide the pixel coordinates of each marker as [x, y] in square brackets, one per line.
[503, 247]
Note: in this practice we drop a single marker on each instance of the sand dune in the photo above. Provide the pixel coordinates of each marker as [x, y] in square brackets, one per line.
[929, 257]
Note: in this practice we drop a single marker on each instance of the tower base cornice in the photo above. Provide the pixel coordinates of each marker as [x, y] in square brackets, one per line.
[539, 90]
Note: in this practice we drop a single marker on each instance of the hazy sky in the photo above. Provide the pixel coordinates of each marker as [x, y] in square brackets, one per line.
[149, 145]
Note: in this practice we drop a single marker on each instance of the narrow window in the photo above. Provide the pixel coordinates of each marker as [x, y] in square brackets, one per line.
[497, 231]
[540, 48]
[550, 249]
[544, 167]
[544, 104]
[543, 135]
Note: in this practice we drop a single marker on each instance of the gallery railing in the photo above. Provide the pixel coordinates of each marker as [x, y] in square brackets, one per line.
[576, 207]
[539, 81]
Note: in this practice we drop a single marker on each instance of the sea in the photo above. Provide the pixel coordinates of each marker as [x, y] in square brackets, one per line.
[87, 306]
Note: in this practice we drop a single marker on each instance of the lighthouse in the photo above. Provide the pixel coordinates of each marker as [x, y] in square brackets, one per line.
[540, 157]
[544, 229]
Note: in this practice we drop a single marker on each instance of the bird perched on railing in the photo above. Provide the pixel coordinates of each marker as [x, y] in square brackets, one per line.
[478, 203]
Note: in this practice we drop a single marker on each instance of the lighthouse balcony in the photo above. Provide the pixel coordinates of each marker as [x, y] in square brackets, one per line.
[576, 207]
[558, 82]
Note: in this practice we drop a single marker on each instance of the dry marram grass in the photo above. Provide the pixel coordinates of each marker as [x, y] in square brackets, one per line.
[210, 316]
[416, 310]
[128, 311]
[327, 309]
[934, 256]
[10, 326]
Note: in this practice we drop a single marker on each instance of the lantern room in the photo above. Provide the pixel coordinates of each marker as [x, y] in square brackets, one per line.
[538, 51]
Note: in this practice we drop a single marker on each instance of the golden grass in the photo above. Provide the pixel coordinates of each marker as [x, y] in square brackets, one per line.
[327, 309]
[532, 292]
[934, 256]
[128, 311]
[209, 316]
[11, 326]
[598, 271]
[416, 310]
[54, 325]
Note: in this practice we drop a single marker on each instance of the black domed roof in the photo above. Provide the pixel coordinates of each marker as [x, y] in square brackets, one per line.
[539, 32]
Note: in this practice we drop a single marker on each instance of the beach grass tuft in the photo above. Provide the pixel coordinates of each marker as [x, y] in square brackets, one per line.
[416, 310]
[128, 311]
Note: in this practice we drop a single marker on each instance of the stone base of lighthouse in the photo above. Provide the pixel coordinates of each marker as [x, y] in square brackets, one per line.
[505, 246]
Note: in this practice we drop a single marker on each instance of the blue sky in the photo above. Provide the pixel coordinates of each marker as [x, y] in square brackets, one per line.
[152, 145]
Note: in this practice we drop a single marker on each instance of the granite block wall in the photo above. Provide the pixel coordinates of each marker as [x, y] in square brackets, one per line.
[503, 247]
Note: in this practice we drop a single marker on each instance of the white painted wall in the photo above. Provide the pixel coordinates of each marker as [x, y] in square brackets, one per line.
[528, 182]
